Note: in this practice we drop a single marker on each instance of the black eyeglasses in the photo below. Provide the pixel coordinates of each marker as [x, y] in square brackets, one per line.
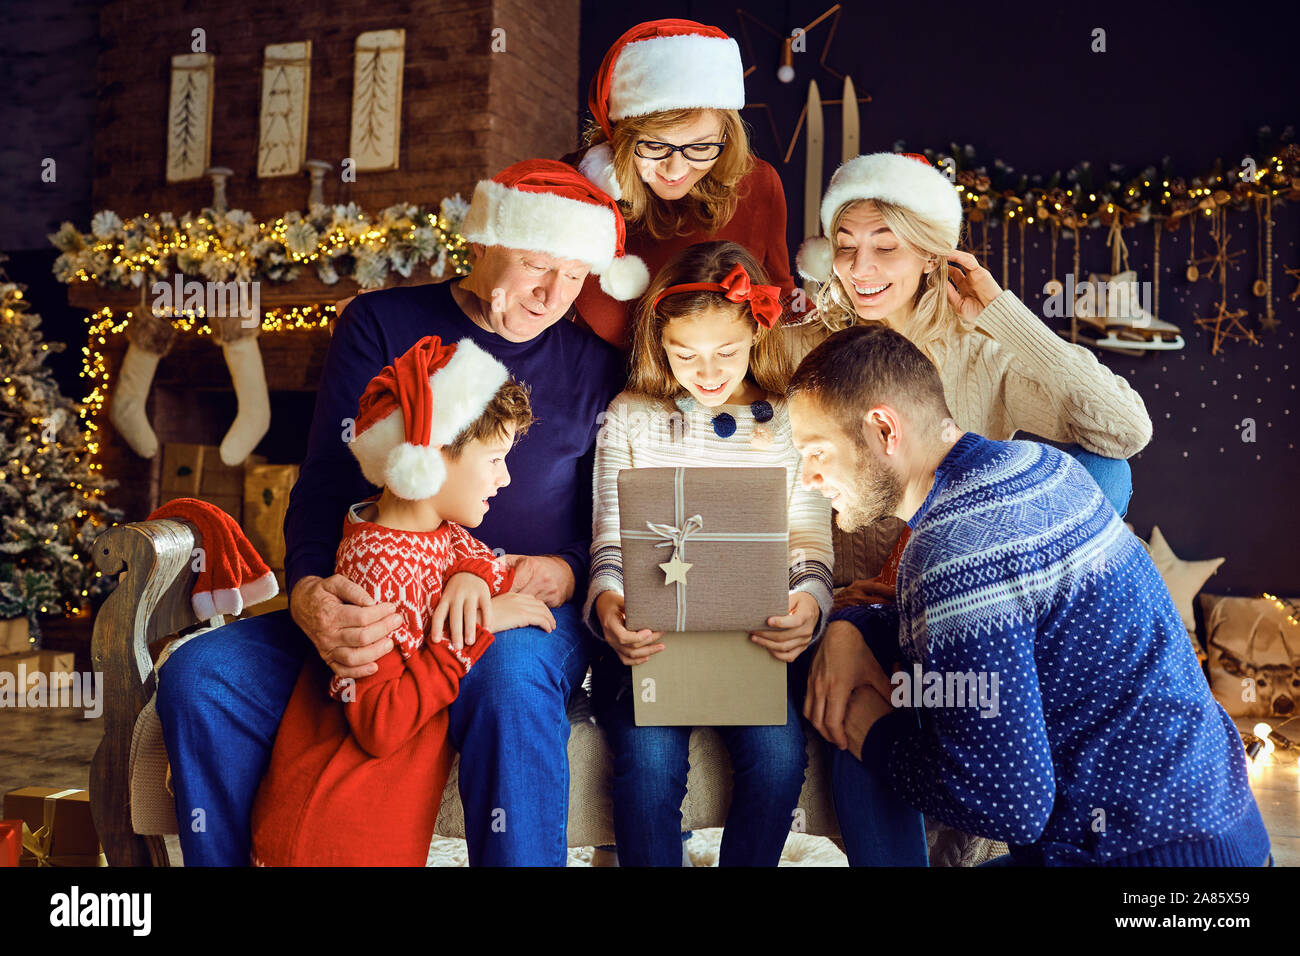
[691, 152]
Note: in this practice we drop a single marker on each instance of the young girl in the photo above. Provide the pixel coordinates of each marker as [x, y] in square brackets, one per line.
[358, 767]
[892, 224]
[707, 387]
[668, 143]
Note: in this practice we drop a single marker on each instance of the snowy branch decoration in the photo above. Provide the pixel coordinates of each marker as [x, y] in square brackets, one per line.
[189, 117]
[333, 241]
[377, 99]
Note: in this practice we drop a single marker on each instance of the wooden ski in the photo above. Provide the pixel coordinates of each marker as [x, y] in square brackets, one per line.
[812, 187]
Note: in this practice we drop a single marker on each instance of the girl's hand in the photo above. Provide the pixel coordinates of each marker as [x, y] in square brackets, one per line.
[632, 647]
[466, 599]
[971, 287]
[793, 632]
[516, 609]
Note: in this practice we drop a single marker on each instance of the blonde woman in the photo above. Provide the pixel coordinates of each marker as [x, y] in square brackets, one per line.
[892, 223]
[668, 143]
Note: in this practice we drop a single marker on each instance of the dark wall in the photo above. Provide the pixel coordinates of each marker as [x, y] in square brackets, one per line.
[1022, 85]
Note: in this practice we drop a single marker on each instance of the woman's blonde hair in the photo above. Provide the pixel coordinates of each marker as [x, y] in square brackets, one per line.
[711, 202]
[651, 375]
[933, 320]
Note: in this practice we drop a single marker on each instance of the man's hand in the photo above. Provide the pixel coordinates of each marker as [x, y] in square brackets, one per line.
[542, 575]
[349, 627]
[632, 647]
[519, 610]
[466, 599]
[866, 706]
[843, 664]
[793, 632]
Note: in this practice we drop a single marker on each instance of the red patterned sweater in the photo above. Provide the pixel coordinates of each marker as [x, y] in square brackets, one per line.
[358, 768]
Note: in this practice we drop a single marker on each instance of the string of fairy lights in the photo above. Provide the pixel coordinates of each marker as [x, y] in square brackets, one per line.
[105, 323]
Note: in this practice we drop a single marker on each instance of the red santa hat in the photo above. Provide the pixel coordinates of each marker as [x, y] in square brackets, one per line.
[544, 205]
[657, 66]
[903, 179]
[417, 405]
[232, 575]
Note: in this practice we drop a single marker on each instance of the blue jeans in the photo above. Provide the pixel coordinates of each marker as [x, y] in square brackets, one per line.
[1113, 475]
[877, 826]
[649, 781]
[222, 695]
[220, 699]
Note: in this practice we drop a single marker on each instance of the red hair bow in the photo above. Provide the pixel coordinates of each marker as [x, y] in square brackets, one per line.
[764, 300]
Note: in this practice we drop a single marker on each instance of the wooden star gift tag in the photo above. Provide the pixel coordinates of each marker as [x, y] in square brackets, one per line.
[675, 570]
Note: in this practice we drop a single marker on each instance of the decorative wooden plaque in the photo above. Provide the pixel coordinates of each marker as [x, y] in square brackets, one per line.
[377, 99]
[189, 117]
[286, 87]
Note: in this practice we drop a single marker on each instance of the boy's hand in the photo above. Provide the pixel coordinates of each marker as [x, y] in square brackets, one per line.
[632, 647]
[793, 632]
[348, 626]
[515, 609]
[466, 600]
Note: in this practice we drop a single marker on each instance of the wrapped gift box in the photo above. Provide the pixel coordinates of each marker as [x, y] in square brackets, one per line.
[709, 679]
[14, 636]
[266, 499]
[724, 534]
[57, 666]
[60, 829]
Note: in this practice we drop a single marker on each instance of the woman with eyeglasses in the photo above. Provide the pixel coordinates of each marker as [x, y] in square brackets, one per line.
[669, 144]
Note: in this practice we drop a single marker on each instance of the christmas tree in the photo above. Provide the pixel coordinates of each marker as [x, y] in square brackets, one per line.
[51, 497]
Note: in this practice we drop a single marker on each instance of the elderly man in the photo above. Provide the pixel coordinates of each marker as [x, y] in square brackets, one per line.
[537, 229]
[1061, 707]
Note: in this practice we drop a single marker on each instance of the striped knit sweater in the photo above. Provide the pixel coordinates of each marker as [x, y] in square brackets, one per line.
[1099, 743]
[1012, 374]
[638, 433]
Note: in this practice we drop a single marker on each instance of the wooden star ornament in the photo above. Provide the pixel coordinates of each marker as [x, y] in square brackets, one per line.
[675, 570]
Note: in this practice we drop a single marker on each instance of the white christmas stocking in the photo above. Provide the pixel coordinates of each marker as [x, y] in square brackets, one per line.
[244, 359]
[149, 338]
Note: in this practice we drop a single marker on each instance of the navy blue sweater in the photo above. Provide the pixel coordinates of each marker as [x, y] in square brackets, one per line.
[1099, 743]
[546, 508]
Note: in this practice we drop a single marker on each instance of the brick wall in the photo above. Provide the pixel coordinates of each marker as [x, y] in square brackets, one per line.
[466, 111]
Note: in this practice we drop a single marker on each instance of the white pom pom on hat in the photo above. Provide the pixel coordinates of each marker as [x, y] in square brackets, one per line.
[902, 179]
[417, 405]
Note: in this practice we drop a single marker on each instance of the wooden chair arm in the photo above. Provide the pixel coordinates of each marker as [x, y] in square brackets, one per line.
[151, 601]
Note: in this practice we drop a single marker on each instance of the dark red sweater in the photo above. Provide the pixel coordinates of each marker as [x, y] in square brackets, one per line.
[357, 771]
[758, 225]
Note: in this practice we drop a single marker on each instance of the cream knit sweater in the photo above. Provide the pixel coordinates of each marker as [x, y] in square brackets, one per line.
[1012, 374]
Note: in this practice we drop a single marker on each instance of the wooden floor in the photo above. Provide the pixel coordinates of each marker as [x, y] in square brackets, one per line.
[52, 748]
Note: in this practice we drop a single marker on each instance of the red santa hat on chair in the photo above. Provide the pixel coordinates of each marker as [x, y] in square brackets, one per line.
[544, 205]
[903, 179]
[232, 575]
[657, 66]
[417, 405]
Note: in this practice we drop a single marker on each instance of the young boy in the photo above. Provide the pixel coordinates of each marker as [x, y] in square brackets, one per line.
[358, 767]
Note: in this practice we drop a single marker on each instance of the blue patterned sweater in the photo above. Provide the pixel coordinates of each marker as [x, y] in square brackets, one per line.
[1093, 737]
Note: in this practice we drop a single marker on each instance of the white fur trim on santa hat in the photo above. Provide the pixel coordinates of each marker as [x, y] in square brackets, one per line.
[814, 260]
[462, 389]
[414, 472]
[626, 278]
[371, 447]
[677, 72]
[232, 601]
[597, 164]
[897, 179]
[541, 222]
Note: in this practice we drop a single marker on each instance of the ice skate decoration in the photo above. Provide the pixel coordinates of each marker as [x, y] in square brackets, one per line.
[189, 117]
[286, 84]
[1115, 318]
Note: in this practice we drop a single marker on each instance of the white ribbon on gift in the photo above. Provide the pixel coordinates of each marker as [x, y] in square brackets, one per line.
[692, 527]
